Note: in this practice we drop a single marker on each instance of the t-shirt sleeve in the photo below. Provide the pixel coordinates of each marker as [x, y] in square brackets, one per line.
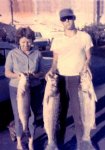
[9, 62]
[89, 42]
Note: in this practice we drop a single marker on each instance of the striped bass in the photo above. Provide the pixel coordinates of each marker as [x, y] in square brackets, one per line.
[23, 101]
[51, 104]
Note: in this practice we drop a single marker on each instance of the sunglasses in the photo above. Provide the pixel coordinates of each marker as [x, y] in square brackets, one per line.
[63, 19]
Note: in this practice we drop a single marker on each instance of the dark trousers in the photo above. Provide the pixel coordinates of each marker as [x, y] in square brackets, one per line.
[64, 103]
[68, 87]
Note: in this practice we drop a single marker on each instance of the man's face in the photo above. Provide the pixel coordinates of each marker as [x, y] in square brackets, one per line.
[68, 23]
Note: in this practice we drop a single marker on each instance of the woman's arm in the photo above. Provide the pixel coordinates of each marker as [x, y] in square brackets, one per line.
[9, 66]
[10, 74]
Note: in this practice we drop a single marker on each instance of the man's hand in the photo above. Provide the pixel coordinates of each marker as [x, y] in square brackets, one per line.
[85, 67]
[18, 76]
[50, 73]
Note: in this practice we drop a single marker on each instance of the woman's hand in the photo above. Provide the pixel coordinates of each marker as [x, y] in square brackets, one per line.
[36, 75]
[18, 76]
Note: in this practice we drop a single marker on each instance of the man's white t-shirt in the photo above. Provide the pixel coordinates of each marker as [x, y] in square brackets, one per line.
[71, 52]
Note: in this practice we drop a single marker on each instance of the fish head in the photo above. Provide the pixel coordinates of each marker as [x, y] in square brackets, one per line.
[24, 79]
[53, 81]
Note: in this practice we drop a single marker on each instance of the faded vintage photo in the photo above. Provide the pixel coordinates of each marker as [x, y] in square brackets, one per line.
[52, 82]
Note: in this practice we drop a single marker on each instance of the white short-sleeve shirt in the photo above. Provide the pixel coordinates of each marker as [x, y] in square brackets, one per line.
[71, 52]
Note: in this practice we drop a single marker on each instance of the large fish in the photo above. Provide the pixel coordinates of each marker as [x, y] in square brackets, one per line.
[51, 104]
[23, 101]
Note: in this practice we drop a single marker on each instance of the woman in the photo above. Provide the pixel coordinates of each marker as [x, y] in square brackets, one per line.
[24, 59]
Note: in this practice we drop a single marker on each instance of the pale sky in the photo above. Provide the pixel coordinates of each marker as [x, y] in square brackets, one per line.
[84, 10]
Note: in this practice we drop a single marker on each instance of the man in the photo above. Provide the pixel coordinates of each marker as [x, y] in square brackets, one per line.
[71, 57]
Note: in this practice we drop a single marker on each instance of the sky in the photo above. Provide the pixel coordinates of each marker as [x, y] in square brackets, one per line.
[43, 14]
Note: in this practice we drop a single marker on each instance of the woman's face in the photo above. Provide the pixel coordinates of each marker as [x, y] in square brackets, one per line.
[25, 44]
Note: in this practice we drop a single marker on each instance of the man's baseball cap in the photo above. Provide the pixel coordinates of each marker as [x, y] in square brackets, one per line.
[67, 12]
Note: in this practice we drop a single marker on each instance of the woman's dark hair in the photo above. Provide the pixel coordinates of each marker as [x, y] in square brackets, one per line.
[24, 32]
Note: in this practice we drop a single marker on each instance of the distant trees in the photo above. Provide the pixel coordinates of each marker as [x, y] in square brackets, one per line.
[97, 33]
[7, 32]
